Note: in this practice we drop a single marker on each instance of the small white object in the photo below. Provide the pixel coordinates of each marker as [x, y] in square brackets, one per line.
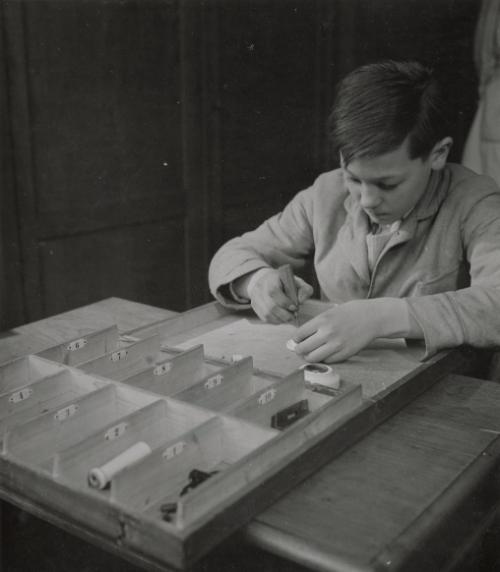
[76, 345]
[267, 396]
[174, 450]
[291, 345]
[66, 412]
[21, 395]
[214, 381]
[99, 477]
[119, 355]
[321, 374]
[236, 357]
[162, 369]
[115, 432]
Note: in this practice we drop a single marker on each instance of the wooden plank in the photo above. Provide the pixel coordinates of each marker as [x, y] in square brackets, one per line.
[466, 502]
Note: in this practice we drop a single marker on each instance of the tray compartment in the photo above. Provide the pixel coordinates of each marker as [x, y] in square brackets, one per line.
[37, 440]
[161, 477]
[163, 419]
[43, 395]
[172, 375]
[26, 370]
[219, 391]
[86, 347]
[125, 360]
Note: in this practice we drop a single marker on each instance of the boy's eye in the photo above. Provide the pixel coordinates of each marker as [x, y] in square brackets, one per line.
[387, 186]
[353, 180]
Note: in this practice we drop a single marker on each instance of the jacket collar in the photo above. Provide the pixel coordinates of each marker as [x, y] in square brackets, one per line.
[359, 225]
[427, 206]
[434, 195]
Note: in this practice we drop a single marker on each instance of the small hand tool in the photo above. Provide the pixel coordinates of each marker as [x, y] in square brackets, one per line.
[288, 280]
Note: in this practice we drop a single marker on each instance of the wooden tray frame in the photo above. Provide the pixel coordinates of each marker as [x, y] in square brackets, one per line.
[159, 545]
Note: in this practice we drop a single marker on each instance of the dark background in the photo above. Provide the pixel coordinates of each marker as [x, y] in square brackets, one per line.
[139, 135]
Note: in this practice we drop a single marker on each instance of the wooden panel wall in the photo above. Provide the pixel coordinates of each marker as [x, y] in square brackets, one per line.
[141, 134]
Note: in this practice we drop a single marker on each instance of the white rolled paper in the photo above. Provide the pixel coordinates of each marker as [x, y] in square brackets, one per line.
[99, 477]
[321, 374]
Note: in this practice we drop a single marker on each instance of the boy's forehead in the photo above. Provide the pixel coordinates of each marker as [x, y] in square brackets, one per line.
[388, 165]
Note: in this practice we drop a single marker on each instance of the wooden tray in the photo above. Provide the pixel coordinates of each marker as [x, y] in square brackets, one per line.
[110, 433]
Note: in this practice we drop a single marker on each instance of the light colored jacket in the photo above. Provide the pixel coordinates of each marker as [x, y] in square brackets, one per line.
[444, 260]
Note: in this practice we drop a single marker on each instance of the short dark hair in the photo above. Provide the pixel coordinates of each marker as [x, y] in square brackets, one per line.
[378, 105]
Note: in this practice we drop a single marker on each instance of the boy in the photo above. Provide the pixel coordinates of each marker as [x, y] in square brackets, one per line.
[405, 243]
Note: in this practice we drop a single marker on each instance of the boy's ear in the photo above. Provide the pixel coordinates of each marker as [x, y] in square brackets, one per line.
[440, 152]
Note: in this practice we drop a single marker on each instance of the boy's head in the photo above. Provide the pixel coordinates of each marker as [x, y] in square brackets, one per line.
[379, 105]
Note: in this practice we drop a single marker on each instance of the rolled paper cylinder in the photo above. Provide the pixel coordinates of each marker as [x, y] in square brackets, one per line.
[321, 374]
[99, 477]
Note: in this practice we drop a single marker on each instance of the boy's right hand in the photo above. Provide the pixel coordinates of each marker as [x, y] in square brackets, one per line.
[269, 300]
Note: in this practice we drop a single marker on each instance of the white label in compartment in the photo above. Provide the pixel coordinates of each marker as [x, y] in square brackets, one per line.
[267, 396]
[214, 381]
[119, 355]
[162, 369]
[21, 395]
[66, 412]
[174, 450]
[76, 345]
[114, 432]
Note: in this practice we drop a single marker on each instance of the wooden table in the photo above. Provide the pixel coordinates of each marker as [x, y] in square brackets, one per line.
[415, 494]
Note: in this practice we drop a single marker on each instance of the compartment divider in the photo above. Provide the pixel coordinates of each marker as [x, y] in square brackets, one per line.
[125, 360]
[42, 395]
[40, 438]
[84, 348]
[218, 391]
[164, 473]
[172, 375]
[73, 463]
[261, 407]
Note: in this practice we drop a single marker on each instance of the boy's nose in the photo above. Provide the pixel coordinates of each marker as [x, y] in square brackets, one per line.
[369, 197]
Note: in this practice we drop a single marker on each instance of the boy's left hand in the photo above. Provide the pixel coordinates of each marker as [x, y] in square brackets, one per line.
[344, 330]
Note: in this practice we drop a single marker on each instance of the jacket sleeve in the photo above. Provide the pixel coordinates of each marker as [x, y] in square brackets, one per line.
[284, 238]
[470, 315]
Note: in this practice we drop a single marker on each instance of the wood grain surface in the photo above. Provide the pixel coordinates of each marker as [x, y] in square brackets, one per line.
[355, 510]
